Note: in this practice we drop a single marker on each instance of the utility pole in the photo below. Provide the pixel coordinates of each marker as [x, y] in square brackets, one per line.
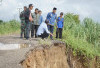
[0, 2]
[19, 9]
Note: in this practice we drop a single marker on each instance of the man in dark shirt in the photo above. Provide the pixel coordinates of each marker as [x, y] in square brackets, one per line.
[28, 19]
[23, 24]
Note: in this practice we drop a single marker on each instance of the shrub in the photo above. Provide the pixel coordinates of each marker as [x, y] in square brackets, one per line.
[9, 27]
[83, 37]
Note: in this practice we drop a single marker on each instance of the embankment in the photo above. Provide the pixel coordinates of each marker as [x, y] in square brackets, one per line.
[42, 55]
[57, 56]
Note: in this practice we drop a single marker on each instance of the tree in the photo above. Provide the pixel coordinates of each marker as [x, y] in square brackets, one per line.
[72, 18]
[1, 21]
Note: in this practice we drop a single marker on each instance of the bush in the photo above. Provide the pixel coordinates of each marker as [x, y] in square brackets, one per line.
[83, 37]
[1, 21]
[9, 27]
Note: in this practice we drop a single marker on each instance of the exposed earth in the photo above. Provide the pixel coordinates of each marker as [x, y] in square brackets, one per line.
[13, 58]
[41, 54]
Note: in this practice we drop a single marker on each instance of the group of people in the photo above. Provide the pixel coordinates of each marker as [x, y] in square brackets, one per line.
[33, 23]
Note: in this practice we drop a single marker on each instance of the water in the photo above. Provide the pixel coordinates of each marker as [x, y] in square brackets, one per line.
[13, 46]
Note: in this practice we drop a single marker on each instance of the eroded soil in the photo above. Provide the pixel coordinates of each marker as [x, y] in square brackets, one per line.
[55, 55]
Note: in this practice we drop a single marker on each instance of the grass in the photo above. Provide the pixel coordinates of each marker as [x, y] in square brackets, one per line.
[9, 27]
[82, 37]
[45, 42]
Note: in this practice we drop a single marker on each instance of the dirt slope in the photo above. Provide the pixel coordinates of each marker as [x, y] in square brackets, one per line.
[53, 56]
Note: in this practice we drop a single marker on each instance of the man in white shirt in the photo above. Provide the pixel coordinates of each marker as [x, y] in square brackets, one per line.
[43, 31]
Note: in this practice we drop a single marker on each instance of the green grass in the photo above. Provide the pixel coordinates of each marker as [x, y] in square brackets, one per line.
[9, 27]
[82, 37]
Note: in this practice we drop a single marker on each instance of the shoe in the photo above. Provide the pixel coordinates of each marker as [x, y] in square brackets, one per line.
[27, 38]
[60, 38]
[21, 37]
[35, 36]
[51, 38]
[24, 36]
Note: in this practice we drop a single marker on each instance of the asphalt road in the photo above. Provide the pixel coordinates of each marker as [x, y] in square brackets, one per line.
[12, 58]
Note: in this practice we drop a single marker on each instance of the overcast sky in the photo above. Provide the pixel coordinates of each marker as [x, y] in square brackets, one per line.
[85, 8]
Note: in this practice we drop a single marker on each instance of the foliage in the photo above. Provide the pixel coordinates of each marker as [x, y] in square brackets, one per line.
[1, 21]
[45, 42]
[9, 27]
[83, 37]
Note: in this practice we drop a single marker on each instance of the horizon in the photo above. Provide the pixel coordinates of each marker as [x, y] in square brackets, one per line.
[83, 8]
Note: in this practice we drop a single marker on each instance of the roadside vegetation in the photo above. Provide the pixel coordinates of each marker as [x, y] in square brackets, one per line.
[12, 26]
[83, 37]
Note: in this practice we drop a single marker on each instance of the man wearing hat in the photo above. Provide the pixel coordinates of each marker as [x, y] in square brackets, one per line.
[43, 31]
[23, 24]
[28, 20]
[52, 16]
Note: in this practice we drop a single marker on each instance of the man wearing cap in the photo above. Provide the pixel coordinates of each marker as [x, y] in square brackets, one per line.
[43, 31]
[52, 16]
[36, 17]
[23, 24]
[28, 19]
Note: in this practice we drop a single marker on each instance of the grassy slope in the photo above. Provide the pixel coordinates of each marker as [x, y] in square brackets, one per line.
[84, 39]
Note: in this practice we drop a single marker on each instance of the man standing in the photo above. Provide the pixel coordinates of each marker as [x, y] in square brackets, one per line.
[60, 25]
[28, 19]
[52, 16]
[23, 24]
[43, 31]
[35, 16]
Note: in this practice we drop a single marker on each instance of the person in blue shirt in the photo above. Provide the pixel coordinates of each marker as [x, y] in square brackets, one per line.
[60, 25]
[40, 17]
[52, 16]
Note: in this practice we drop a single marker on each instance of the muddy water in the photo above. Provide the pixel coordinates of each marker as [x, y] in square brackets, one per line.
[13, 46]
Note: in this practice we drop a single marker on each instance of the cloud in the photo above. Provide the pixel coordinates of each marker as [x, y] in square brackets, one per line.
[85, 8]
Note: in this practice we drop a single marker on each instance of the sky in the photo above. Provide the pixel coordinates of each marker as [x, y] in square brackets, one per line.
[84, 8]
